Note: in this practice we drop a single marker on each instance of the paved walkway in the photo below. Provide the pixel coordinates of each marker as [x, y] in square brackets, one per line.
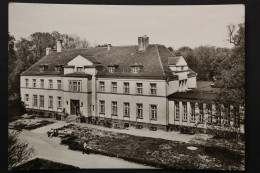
[51, 149]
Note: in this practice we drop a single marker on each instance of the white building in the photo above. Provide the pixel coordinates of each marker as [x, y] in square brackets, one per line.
[123, 85]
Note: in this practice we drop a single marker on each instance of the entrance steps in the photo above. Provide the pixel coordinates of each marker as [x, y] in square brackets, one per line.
[70, 118]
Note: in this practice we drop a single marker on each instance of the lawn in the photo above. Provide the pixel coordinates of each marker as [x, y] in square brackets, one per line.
[152, 151]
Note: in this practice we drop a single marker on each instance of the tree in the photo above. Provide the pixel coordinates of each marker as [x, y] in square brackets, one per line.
[171, 49]
[18, 151]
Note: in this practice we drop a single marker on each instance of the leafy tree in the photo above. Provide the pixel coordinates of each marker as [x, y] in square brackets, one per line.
[171, 49]
[18, 151]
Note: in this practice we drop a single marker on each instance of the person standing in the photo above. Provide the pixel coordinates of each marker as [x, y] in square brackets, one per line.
[85, 149]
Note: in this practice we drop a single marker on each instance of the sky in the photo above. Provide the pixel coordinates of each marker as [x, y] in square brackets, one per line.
[172, 26]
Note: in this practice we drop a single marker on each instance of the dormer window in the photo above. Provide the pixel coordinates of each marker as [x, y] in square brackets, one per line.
[43, 67]
[57, 69]
[111, 69]
[79, 69]
[136, 68]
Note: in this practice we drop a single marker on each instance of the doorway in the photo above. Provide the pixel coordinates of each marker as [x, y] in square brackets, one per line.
[74, 107]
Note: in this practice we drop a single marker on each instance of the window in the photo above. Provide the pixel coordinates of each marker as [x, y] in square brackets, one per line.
[185, 112]
[126, 88]
[102, 106]
[57, 69]
[101, 86]
[41, 69]
[153, 88]
[114, 87]
[34, 83]
[139, 87]
[75, 86]
[26, 97]
[139, 110]
[201, 114]
[42, 83]
[35, 100]
[126, 109]
[41, 101]
[192, 119]
[135, 69]
[59, 102]
[182, 67]
[59, 84]
[177, 111]
[111, 69]
[50, 101]
[209, 112]
[153, 111]
[27, 82]
[114, 108]
[79, 69]
[50, 84]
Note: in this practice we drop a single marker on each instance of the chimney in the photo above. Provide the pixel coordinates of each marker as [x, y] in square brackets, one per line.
[48, 50]
[59, 45]
[143, 43]
[108, 47]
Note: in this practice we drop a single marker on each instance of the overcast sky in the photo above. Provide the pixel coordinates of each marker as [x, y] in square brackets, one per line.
[173, 26]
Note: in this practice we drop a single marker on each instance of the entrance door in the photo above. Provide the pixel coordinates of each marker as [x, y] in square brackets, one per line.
[74, 105]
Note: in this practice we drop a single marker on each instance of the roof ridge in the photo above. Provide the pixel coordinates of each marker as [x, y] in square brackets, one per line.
[160, 60]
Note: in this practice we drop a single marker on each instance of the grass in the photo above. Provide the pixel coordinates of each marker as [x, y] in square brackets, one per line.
[39, 163]
[155, 152]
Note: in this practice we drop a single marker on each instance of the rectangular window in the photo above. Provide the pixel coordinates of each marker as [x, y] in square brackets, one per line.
[41, 69]
[209, 112]
[114, 87]
[201, 113]
[59, 84]
[59, 102]
[57, 69]
[177, 111]
[35, 100]
[114, 108]
[192, 118]
[126, 88]
[102, 106]
[27, 82]
[79, 69]
[111, 69]
[135, 69]
[101, 86]
[185, 112]
[153, 88]
[139, 110]
[75, 86]
[42, 83]
[50, 84]
[153, 111]
[41, 101]
[139, 88]
[50, 101]
[26, 97]
[34, 83]
[126, 109]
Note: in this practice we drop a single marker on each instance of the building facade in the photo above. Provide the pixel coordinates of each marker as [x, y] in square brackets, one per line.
[123, 85]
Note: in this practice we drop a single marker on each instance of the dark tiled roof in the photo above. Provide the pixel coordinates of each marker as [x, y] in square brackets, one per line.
[154, 61]
[173, 60]
[203, 92]
[78, 74]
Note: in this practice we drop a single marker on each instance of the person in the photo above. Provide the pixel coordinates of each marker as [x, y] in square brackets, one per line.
[85, 149]
[51, 132]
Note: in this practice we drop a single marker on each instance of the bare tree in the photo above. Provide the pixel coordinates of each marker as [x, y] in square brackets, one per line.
[18, 151]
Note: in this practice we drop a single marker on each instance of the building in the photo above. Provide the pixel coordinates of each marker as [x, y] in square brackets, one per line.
[122, 85]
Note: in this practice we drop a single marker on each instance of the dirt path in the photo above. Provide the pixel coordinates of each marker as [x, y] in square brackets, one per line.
[51, 149]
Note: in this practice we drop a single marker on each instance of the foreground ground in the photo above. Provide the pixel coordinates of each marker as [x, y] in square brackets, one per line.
[158, 149]
[50, 149]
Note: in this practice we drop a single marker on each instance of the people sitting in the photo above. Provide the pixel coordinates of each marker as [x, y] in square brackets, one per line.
[53, 132]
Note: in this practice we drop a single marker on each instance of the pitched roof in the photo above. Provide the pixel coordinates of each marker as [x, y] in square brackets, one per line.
[173, 60]
[154, 61]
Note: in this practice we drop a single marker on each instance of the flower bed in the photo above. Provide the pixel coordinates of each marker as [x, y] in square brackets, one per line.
[29, 123]
[151, 151]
